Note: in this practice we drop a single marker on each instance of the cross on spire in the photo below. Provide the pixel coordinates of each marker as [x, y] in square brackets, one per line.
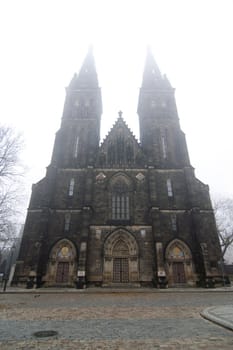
[120, 114]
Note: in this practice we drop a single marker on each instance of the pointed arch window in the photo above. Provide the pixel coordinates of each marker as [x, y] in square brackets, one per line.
[164, 146]
[120, 199]
[71, 187]
[76, 147]
[120, 206]
[169, 188]
[174, 222]
[67, 222]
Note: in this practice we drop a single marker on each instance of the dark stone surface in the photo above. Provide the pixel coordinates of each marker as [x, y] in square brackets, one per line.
[144, 168]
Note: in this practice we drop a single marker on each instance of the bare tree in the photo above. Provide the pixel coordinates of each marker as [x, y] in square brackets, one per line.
[11, 171]
[223, 208]
[10, 148]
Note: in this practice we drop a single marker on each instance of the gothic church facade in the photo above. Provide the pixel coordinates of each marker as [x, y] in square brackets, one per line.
[123, 212]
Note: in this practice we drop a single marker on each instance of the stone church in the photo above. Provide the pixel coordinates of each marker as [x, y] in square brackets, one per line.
[123, 212]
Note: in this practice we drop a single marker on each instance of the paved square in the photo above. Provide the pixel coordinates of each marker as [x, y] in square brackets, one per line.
[129, 320]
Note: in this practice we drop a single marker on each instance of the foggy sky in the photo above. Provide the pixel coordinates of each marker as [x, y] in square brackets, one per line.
[44, 42]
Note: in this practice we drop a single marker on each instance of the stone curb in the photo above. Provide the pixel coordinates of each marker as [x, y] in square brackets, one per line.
[210, 315]
[114, 290]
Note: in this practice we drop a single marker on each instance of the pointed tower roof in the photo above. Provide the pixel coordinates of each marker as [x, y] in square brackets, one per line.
[87, 77]
[152, 77]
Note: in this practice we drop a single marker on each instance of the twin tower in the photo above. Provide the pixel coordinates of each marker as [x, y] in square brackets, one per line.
[120, 213]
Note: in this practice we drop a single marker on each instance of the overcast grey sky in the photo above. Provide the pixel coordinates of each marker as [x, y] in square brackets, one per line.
[44, 42]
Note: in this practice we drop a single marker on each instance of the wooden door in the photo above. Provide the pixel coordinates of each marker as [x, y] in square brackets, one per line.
[121, 270]
[178, 272]
[62, 272]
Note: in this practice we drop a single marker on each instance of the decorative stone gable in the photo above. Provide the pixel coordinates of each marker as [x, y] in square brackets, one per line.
[120, 148]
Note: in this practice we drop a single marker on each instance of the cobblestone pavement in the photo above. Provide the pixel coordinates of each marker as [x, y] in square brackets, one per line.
[112, 321]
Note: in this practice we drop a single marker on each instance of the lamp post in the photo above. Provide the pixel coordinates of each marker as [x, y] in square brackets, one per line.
[8, 268]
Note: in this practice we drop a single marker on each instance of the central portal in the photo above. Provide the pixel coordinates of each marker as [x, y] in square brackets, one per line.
[120, 258]
[121, 270]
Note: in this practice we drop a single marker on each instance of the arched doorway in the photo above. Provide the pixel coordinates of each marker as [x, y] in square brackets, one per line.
[179, 264]
[62, 264]
[120, 258]
[120, 262]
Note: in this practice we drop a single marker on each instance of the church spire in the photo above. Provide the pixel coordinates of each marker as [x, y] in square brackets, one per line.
[87, 77]
[160, 133]
[152, 77]
[151, 74]
[77, 140]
